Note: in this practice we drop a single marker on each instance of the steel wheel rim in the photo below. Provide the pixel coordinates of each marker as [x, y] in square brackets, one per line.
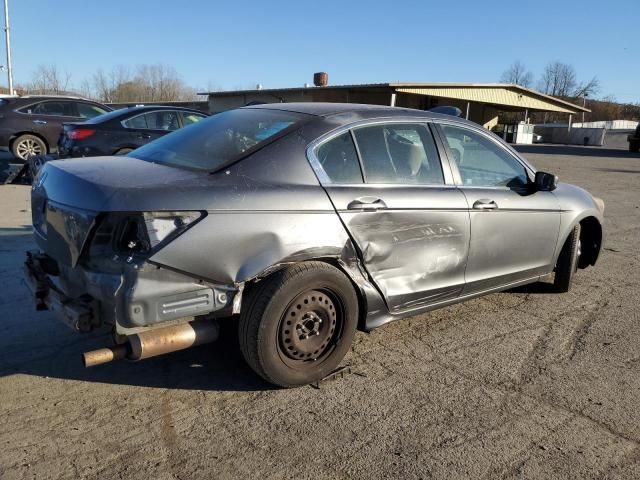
[310, 327]
[27, 148]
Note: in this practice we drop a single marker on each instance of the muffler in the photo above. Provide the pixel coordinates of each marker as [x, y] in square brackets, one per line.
[152, 343]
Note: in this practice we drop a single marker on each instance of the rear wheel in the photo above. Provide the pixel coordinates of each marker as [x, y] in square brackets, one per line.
[568, 261]
[298, 324]
[26, 146]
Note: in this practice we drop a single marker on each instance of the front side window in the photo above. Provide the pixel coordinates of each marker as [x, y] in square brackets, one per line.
[221, 139]
[481, 162]
[339, 160]
[399, 153]
[189, 118]
[88, 110]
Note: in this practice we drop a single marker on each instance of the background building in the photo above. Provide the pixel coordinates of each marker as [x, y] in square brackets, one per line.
[481, 103]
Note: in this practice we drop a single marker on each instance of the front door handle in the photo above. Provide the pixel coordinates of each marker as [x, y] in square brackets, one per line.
[367, 204]
[144, 135]
[39, 122]
[485, 204]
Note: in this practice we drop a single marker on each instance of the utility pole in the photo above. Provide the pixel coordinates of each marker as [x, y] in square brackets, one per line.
[8, 42]
[584, 104]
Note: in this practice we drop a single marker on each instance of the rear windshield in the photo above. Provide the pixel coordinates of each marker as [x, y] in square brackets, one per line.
[217, 141]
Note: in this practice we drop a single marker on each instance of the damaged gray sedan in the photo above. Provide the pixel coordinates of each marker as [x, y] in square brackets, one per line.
[302, 222]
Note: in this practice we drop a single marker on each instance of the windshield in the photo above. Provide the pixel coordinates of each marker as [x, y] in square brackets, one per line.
[219, 140]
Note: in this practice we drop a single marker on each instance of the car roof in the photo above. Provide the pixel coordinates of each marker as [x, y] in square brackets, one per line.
[126, 112]
[322, 109]
[142, 108]
[52, 97]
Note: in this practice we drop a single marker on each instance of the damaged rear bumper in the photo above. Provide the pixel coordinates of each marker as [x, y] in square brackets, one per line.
[138, 296]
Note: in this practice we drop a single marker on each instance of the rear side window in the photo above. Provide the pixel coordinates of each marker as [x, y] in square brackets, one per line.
[88, 110]
[221, 139]
[400, 154]
[57, 108]
[139, 121]
[160, 120]
[339, 160]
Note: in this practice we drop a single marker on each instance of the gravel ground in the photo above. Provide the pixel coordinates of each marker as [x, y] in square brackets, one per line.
[523, 384]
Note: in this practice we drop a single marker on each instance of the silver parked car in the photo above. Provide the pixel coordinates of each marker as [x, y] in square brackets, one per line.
[303, 222]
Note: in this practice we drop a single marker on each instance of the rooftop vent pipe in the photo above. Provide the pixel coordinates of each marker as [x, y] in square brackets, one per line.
[320, 79]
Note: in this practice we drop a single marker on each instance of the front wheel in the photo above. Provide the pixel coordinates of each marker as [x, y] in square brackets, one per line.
[298, 324]
[634, 147]
[568, 261]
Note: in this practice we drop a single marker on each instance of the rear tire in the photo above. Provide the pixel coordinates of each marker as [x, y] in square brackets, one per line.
[568, 262]
[26, 146]
[297, 325]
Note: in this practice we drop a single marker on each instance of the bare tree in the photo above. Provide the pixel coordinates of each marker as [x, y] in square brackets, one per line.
[587, 89]
[49, 79]
[106, 85]
[147, 83]
[518, 74]
[558, 80]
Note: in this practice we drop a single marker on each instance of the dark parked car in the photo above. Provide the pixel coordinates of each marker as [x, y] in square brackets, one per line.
[120, 131]
[303, 222]
[634, 140]
[31, 125]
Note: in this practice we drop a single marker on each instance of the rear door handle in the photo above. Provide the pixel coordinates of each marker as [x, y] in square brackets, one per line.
[485, 204]
[144, 135]
[39, 122]
[367, 204]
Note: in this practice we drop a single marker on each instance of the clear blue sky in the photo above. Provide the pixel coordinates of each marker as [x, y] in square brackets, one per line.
[281, 43]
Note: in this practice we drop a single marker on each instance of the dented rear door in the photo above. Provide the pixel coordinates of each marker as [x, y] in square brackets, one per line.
[413, 238]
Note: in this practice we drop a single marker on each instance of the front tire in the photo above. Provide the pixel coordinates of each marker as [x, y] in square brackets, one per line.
[568, 262]
[634, 147]
[298, 324]
[26, 146]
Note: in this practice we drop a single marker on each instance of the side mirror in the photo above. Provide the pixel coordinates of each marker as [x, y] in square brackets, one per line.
[545, 182]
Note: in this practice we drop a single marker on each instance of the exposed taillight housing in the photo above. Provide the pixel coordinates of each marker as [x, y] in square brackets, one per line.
[80, 133]
[146, 232]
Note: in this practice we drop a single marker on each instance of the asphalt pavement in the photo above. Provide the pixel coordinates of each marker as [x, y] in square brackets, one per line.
[522, 384]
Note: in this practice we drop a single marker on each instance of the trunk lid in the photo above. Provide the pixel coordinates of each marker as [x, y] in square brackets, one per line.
[68, 196]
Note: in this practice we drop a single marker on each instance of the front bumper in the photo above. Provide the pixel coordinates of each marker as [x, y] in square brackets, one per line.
[137, 296]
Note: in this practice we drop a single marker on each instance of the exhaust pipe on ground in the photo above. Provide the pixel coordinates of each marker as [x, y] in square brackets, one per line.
[152, 343]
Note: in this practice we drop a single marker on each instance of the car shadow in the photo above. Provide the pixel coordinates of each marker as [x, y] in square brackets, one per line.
[537, 287]
[38, 344]
[574, 150]
[218, 366]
